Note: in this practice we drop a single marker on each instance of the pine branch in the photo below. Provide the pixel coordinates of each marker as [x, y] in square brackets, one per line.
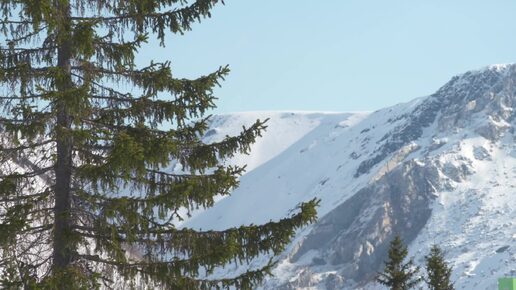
[225, 246]
[25, 147]
[26, 37]
[23, 72]
[3, 22]
[37, 229]
[34, 197]
[246, 281]
[176, 20]
[28, 174]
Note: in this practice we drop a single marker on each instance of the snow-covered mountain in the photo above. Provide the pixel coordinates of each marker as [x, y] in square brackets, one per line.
[437, 170]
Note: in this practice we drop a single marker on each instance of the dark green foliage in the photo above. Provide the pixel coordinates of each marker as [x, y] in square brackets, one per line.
[438, 271]
[398, 274]
[85, 194]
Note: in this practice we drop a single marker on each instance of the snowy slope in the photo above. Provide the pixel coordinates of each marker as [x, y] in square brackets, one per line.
[439, 169]
[274, 186]
[283, 130]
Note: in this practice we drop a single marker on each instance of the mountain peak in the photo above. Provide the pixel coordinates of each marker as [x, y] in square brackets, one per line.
[482, 100]
[499, 70]
[501, 67]
[479, 80]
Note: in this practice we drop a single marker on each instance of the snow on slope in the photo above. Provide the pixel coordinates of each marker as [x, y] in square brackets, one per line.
[476, 222]
[283, 130]
[275, 187]
[440, 169]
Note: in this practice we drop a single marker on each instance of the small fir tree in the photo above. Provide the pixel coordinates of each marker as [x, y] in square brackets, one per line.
[438, 271]
[84, 153]
[397, 274]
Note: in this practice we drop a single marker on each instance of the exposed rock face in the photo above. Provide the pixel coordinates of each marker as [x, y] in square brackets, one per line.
[355, 236]
[481, 153]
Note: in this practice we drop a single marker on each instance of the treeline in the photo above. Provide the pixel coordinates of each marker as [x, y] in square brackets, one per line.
[400, 275]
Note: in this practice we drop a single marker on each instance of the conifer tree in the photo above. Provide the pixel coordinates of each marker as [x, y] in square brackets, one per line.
[438, 271]
[398, 274]
[86, 197]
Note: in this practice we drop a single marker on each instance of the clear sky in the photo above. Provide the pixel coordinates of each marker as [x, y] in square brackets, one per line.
[340, 55]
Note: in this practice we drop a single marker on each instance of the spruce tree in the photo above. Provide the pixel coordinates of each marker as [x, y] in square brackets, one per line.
[438, 271]
[86, 196]
[398, 274]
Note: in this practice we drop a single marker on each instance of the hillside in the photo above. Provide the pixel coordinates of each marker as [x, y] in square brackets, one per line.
[439, 169]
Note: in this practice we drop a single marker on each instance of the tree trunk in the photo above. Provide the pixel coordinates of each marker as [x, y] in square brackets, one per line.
[63, 245]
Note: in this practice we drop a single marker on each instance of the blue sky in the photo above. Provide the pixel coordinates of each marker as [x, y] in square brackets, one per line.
[340, 55]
